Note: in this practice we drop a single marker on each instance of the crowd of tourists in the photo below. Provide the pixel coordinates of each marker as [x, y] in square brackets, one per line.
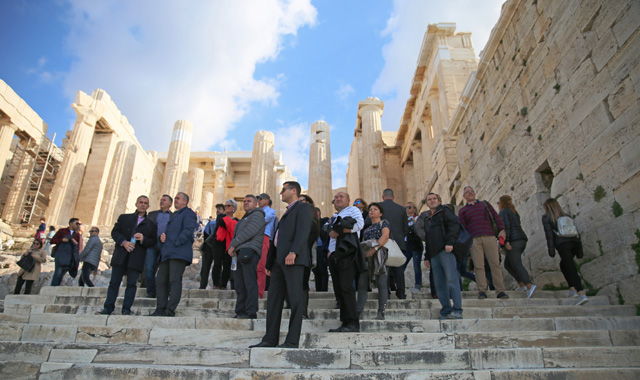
[360, 247]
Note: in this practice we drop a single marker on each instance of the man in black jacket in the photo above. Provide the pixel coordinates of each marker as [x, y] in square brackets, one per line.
[286, 267]
[439, 228]
[133, 234]
[396, 215]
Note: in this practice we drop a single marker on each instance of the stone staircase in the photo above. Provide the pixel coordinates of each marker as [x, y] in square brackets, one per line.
[56, 335]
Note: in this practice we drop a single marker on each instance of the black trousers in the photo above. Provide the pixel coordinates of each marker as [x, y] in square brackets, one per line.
[344, 271]
[568, 267]
[169, 284]
[246, 283]
[117, 272]
[221, 265]
[285, 280]
[321, 272]
[27, 288]
[85, 275]
[205, 266]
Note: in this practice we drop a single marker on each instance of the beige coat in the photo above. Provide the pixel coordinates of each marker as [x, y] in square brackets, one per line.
[40, 257]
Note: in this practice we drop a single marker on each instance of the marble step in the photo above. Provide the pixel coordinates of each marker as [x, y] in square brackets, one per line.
[91, 371]
[335, 359]
[201, 337]
[322, 326]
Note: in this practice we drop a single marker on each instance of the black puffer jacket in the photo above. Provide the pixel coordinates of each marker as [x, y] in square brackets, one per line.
[437, 230]
[512, 225]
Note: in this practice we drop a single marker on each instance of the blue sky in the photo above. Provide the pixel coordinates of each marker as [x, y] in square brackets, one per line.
[230, 67]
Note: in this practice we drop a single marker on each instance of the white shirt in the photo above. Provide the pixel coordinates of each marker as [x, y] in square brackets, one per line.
[353, 212]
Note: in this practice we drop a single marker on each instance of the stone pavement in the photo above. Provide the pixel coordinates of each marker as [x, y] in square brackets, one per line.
[56, 335]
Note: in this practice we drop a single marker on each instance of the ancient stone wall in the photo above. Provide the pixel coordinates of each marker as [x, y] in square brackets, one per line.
[553, 111]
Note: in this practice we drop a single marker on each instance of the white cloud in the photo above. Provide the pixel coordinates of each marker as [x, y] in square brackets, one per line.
[293, 141]
[406, 27]
[344, 91]
[194, 60]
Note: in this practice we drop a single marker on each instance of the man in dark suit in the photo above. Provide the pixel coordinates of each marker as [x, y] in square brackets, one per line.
[396, 215]
[286, 267]
[133, 234]
[176, 253]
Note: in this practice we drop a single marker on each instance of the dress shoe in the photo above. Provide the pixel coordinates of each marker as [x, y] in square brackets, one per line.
[103, 312]
[262, 345]
[288, 345]
[350, 328]
[126, 312]
[339, 329]
[169, 313]
[157, 313]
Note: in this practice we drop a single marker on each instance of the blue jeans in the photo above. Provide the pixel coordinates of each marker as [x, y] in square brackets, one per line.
[150, 268]
[58, 273]
[447, 279]
[417, 260]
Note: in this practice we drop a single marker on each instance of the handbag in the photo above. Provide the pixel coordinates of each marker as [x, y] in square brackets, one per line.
[27, 263]
[395, 257]
[494, 225]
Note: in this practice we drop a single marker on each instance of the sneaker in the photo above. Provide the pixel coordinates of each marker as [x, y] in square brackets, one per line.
[521, 288]
[482, 296]
[530, 291]
[415, 290]
[582, 300]
[454, 315]
[503, 296]
[572, 293]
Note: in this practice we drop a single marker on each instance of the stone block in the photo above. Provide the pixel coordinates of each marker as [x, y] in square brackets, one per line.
[10, 331]
[113, 335]
[622, 97]
[597, 323]
[47, 368]
[626, 60]
[299, 358]
[620, 264]
[532, 339]
[70, 355]
[591, 357]
[27, 299]
[488, 325]
[507, 358]
[628, 24]
[28, 352]
[65, 319]
[592, 91]
[61, 291]
[422, 360]
[45, 333]
[173, 356]
[148, 322]
[627, 194]
[234, 338]
[224, 324]
[572, 373]
[17, 370]
[629, 290]
[625, 338]
[408, 341]
[605, 48]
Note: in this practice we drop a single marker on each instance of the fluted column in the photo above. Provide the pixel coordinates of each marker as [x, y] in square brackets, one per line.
[320, 167]
[194, 190]
[418, 171]
[67, 186]
[177, 167]
[281, 178]
[13, 208]
[370, 112]
[207, 204]
[220, 168]
[427, 170]
[261, 178]
[436, 113]
[7, 130]
[118, 183]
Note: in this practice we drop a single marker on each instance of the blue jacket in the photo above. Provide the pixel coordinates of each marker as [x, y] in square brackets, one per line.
[179, 242]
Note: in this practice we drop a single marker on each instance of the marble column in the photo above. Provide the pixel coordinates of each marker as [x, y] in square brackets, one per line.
[320, 167]
[194, 190]
[418, 172]
[410, 181]
[261, 178]
[67, 186]
[281, 178]
[425, 133]
[207, 204]
[7, 131]
[436, 113]
[118, 183]
[12, 212]
[370, 112]
[177, 166]
[220, 168]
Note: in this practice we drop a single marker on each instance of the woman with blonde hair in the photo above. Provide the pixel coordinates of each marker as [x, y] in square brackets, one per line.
[515, 244]
[567, 247]
[414, 246]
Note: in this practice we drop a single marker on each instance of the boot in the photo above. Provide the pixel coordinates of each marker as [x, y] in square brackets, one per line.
[380, 316]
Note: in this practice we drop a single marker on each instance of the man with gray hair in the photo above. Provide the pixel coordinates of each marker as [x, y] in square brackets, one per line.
[225, 224]
[248, 238]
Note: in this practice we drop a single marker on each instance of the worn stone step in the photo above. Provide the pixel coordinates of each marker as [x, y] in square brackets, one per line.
[243, 338]
[91, 371]
[367, 359]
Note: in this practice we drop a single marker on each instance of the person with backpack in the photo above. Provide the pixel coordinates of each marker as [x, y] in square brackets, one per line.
[439, 228]
[562, 235]
[515, 244]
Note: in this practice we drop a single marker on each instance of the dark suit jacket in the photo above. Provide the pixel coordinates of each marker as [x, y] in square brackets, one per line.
[126, 226]
[396, 215]
[180, 229]
[293, 233]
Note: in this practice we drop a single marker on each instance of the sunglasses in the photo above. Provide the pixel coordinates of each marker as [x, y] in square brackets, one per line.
[357, 202]
[409, 207]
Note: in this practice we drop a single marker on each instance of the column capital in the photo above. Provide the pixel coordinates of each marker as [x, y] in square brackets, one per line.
[6, 122]
[370, 107]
